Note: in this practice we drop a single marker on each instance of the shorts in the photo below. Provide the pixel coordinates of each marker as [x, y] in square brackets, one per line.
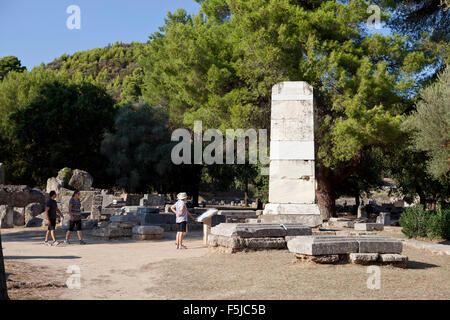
[73, 224]
[181, 226]
[52, 224]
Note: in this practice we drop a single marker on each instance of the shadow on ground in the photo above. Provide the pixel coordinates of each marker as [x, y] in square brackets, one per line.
[420, 265]
[40, 257]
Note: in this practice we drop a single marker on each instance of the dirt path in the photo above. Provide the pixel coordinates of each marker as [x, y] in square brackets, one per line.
[151, 270]
[108, 270]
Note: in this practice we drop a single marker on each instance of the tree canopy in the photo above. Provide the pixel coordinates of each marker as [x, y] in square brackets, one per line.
[219, 66]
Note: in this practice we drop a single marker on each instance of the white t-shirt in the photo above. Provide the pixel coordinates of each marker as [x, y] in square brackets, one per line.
[180, 207]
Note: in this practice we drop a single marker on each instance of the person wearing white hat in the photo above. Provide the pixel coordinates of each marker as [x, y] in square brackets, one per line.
[181, 211]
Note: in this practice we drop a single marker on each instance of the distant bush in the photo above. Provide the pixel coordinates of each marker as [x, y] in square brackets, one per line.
[417, 222]
[439, 225]
[414, 222]
[65, 174]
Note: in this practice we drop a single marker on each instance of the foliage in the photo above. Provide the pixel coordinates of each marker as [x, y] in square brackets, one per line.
[427, 22]
[219, 66]
[414, 222]
[439, 224]
[65, 174]
[408, 168]
[368, 176]
[8, 64]
[139, 148]
[432, 124]
[61, 126]
[110, 66]
[417, 222]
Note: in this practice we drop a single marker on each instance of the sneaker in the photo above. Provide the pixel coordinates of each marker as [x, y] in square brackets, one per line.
[82, 242]
[55, 243]
[66, 242]
[183, 247]
[47, 244]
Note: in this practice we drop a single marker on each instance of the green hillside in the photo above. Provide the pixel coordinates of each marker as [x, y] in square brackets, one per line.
[114, 67]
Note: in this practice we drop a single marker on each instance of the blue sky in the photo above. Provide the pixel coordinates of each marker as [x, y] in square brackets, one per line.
[36, 31]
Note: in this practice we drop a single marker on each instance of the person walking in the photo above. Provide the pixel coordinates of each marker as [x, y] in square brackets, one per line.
[75, 217]
[51, 208]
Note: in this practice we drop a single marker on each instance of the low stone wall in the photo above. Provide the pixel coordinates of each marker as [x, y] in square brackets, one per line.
[20, 195]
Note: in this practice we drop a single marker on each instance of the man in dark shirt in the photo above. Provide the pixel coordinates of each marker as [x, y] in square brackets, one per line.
[50, 210]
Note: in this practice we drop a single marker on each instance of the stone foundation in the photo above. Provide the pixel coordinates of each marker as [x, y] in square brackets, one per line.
[235, 237]
[363, 250]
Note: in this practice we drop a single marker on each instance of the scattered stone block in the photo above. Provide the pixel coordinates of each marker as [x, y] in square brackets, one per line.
[19, 217]
[296, 229]
[111, 232]
[322, 259]
[396, 260]
[147, 232]
[369, 226]
[363, 258]
[81, 180]
[368, 244]
[341, 222]
[33, 210]
[20, 195]
[6, 217]
[244, 230]
[88, 224]
[384, 218]
[235, 244]
[323, 245]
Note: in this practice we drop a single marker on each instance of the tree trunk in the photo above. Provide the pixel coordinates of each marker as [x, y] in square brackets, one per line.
[3, 288]
[326, 197]
[246, 192]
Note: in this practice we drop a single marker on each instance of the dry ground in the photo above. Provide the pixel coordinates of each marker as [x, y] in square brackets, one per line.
[152, 270]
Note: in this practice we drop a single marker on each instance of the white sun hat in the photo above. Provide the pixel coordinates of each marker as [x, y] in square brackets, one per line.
[182, 195]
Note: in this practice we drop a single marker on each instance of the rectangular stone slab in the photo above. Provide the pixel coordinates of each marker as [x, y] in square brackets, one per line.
[244, 214]
[249, 230]
[323, 245]
[369, 226]
[148, 230]
[296, 229]
[379, 245]
[318, 245]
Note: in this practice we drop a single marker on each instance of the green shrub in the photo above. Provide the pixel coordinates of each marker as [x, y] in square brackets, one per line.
[414, 222]
[64, 175]
[438, 225]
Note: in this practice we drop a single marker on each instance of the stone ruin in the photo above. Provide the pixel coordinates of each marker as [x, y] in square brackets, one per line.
[19, 204]
[292, 180]
[344, 249]
[287, 220]
[235, 237]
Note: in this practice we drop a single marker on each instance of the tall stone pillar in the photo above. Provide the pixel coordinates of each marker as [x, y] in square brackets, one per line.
[292, 180]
